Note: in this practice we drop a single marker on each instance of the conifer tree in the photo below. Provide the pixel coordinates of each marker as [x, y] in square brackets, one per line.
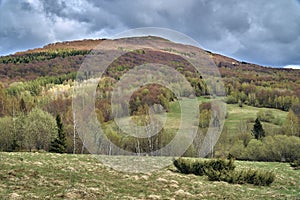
[58, 145]
[258, 131]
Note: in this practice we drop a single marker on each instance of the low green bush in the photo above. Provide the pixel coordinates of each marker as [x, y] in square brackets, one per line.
[295, 164]
[255, 177]
[223, 170]
[183, 165]
[277, 148]
[200, 167]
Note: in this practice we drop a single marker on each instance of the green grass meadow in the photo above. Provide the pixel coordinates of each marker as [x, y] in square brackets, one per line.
[66, 176]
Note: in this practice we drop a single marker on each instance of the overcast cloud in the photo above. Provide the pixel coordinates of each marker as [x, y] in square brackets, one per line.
[258, 31]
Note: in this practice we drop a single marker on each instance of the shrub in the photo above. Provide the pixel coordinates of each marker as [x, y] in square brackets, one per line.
[295, 164]
[255, 177]
[223, 170]
[221, 164]
[183, 165]
[231, 100]
[278, 148]
[265, 116]
[200, 167]
[240, 103]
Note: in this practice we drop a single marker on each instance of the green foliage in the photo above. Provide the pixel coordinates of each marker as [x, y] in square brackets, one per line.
[59, 145]
[41, 56]
[201, 167]
[296, 164]
[29, 131]
[231, 100]
[6, 134]
[40, 128]
[250, 176]
[35, 86]
[23, 106]
[265, 116]
[258, 131]
[183, 165]
[292, 123]
[277, 148]
[223, 170]
[240, 103]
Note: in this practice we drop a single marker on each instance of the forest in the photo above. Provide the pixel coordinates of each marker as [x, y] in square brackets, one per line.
[36, 104]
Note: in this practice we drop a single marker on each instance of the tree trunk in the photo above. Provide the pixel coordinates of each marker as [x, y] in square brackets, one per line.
[74, 133]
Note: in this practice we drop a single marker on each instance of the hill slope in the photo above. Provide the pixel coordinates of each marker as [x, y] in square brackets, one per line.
[64, 57]
[54, 176]
[47, 76]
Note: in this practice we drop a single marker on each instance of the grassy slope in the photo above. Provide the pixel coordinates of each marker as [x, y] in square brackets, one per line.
[234, 117]
[236, 114]
[53, 176]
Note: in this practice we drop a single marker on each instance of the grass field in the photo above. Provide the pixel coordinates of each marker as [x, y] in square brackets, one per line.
[55, 176]
[236, 114]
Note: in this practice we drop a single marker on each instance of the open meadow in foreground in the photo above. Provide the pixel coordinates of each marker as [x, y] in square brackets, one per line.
[66, 176]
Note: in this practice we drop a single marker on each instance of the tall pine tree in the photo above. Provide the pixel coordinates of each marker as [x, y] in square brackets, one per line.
[59, 144]
[258, 131]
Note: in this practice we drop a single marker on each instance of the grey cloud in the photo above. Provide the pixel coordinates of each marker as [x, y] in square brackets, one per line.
[255, 31]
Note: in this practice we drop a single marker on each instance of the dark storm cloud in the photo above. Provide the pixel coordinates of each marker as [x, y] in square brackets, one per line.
[256, 31]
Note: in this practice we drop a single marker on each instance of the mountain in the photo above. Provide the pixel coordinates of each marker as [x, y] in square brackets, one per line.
[66, 57]
[44, 78]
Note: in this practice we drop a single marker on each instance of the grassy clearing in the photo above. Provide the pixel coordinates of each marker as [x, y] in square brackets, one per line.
[54, 176]
[236, 114]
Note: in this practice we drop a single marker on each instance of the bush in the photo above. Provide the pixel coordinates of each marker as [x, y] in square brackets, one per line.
[255, 177]
[249, 176]
[200, 167]
[223, 170]
[278, 148]
[231, 100]
[183, 165]
[277, 121]
[295, 164]
[265, 116]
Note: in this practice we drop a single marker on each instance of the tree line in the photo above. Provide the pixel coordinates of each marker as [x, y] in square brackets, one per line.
[36, 130]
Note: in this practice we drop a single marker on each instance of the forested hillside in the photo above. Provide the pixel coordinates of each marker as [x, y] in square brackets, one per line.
[37, 85]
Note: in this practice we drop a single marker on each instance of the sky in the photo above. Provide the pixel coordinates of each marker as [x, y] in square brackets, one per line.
[258, 31]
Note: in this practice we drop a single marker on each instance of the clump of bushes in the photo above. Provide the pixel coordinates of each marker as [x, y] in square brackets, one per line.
[278, 148]
[250, 176]
[223, 170]
[295, 164]
[200, 167]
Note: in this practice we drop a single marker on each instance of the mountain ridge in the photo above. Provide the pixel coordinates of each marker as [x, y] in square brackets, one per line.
[62, 58]
[90, 44]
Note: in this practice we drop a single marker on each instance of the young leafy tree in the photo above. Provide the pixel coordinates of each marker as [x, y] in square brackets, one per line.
[59, 144]
[6, 134]
[258, 131]
[292, 122]
[40, 128]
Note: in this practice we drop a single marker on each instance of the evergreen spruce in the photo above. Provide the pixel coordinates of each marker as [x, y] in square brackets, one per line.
[23, 106]
[58, 145]
[258, 131]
